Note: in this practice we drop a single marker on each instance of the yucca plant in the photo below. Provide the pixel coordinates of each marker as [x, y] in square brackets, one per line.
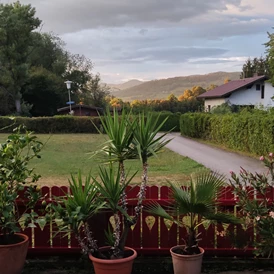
[193, 205]
[131, 137]
[73, 211]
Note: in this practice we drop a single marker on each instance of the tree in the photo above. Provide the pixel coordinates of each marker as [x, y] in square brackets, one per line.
[46, 91]
[270, 56]
[17, 22]
[212, 86]
[94, 93]
[226, 80]
[257, 66]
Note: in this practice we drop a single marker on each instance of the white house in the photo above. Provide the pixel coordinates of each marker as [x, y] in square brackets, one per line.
[254, 91]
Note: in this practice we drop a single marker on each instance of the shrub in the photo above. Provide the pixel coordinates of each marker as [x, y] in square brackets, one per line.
[249, 131]
[56, 124]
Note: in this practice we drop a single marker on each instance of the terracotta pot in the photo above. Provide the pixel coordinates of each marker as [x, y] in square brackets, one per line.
[13, 256]
[118, 266]
[186, 264]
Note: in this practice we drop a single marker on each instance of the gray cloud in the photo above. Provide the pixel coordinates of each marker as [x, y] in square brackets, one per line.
[157, 37]
[63, 16]
[171, 54]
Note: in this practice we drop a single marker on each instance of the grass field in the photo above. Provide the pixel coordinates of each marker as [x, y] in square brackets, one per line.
[65, 154]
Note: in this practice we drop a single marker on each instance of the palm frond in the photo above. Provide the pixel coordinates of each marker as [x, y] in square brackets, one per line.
[155, 209]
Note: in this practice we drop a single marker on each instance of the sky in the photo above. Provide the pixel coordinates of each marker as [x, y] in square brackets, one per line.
[155, 39]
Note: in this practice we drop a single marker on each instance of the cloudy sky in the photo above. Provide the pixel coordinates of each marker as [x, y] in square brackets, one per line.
[152, 39]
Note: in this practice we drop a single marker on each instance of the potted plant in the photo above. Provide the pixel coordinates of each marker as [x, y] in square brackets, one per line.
[15, 154]
[254, 196]
[129, 137]
[192, 205]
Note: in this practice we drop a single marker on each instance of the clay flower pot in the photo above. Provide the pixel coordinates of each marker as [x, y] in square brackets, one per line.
[186, 264]
[117, 266]
[13, 256]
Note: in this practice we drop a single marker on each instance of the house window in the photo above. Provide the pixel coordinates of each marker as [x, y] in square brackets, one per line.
[262, 92]
[258, 87]
[208, 108]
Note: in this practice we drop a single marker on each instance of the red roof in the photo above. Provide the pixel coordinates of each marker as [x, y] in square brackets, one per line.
[228, 88]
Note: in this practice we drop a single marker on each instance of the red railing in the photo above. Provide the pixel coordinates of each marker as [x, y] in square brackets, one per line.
[151, 235]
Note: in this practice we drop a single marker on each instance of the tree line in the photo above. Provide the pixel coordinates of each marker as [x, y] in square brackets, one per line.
[34, 66]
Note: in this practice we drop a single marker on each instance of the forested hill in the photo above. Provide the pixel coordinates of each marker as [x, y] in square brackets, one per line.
[160, 89]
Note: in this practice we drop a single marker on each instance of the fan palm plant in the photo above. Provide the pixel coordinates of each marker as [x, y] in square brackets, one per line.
[192, 206]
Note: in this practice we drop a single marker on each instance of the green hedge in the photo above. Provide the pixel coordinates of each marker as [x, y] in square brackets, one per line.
[73, 124]
[247, 131]
[57, 124]
[172, 123]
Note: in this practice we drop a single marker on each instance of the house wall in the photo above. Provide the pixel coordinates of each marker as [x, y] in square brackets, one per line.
[211, 103]
[246, 97]
[269, 92]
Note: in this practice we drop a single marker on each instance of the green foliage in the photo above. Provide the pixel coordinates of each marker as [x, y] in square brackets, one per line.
[57, 124]
[145, 137]
[270, 54]
[195, 204]
[195, 125]
[15, 154]
[172, 120]
[253, 191]
[129, 137]
[16, 25]
[257, 66]
[221, 109]
[248, 131]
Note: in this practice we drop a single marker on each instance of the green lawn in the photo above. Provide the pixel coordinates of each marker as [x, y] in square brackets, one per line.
[64, 154]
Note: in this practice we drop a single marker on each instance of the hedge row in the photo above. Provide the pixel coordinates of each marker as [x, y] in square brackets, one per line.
[248, 132]
[172, 123]
[57, 124]
[72, 124]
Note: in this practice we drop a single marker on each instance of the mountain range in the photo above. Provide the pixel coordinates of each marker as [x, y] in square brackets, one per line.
[160, 89]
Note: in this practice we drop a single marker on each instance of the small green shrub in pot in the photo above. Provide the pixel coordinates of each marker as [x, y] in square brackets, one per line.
[17, 179]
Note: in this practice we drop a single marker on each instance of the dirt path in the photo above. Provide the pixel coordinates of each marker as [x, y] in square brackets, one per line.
[214, 158]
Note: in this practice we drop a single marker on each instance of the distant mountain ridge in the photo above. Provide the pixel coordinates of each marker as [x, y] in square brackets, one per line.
[160, 89]
[126, 85]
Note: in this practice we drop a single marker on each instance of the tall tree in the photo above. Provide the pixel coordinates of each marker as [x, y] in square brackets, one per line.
[94, 93]
[255, 66]
[17, 22]
[270, 56]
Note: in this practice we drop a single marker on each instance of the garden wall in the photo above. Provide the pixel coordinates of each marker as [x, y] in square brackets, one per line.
[247, 131]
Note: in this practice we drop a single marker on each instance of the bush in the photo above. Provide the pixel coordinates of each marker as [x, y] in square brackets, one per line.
[57, 124]
[248, 131]
[173, 121]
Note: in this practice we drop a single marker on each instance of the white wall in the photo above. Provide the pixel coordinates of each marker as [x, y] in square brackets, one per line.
[246, 97]
[213, 103]
[268, 93]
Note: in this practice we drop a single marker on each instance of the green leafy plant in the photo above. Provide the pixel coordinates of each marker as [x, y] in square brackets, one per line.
[193, 205]
[253, 191]
[15, 154]
[128, 137]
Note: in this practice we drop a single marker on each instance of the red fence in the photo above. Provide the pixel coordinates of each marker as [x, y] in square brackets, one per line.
[151, 235]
